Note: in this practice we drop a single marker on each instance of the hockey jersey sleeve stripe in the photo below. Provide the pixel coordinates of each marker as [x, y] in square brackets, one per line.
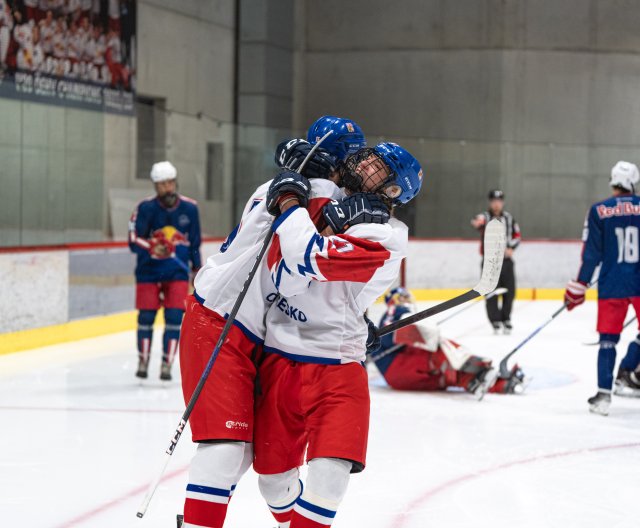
[278, 221]
[302, 358]
[141, 242]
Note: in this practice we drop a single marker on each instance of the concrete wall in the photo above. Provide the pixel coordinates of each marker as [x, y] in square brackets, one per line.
[185, 55]
[38, 292]
[537, 97]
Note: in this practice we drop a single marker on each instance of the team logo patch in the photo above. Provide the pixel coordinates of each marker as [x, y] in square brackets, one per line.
[350, 127]
[420, 175]
[183, 220]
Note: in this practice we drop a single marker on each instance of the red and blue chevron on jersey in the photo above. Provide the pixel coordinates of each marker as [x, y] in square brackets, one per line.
[612, 239]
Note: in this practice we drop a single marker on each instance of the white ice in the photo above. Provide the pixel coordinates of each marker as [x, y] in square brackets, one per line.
[81, 439]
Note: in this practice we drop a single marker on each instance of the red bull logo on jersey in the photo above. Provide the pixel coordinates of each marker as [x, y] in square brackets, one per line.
[172, 235]
[621, 209]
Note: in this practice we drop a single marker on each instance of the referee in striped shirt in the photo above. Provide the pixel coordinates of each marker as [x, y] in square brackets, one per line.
[500, 315]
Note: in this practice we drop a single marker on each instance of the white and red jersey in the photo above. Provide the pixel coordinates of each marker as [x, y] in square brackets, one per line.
[75, 45]
[46, 36]
[59, 42]
[6, 19]
[114, 50]
[220, 280]
[327, 284]
[23, 35]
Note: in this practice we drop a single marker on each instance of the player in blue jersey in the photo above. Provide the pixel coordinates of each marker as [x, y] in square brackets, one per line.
[164, 232]
[612, 241]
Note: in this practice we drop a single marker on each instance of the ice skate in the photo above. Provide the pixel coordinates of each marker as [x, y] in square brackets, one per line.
[627, 384]
[143, 369]
[179, 520]
[496, 328]
[165, 372]
[508, 327]
[600, 403]
[481, 384]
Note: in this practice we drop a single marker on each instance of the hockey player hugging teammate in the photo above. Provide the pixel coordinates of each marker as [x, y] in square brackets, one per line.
[164, 232]
[222, 421]
[612, 241]
[314, 391]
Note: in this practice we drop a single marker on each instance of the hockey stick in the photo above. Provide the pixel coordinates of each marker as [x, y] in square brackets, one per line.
[504, 371]
[495, 244]
[499, 291]
[223, 335]
[625, 325]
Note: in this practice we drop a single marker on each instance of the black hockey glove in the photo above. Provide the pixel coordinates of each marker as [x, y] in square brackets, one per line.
[373, 340]
[291, 154]
[359, 208]
[291, 183]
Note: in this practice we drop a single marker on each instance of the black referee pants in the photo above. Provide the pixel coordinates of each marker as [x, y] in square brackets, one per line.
[502, 313]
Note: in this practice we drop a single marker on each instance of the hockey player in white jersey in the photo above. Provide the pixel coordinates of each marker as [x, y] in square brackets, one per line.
[314, 389]
[222, 420]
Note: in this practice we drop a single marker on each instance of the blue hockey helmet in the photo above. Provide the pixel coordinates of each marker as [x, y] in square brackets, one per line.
[346, 137]
[398, 295]
[404, 177]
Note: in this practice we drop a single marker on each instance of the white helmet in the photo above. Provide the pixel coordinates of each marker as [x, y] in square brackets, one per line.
[625, 175]
[164, 170]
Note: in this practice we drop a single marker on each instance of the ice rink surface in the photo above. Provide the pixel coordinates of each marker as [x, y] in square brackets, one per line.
[81, 439]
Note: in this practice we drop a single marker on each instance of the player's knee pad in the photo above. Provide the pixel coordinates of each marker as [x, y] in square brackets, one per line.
[146, 319]
[217, 465]
[609, 340]
[247, 460]
[282, 489]
[327, 481]
[173, 320]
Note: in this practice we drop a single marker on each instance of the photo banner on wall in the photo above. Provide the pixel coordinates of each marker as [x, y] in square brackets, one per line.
[80, 54]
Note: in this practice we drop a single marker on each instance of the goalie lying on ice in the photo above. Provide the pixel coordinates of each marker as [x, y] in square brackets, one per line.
[418, 358]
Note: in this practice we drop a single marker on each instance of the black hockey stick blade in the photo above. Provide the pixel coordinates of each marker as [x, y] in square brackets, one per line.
[495, 243]
[594, 343]
[499, 291]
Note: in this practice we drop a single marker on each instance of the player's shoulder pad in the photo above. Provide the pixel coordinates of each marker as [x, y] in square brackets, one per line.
[188, 200]
[393, 235]
[261, 191]
[146, 203]
[321, 188]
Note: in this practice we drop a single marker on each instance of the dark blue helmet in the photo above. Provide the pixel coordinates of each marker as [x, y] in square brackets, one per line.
[404, 177]
[346, 137]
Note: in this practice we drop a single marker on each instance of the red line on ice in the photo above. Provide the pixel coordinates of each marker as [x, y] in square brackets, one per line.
[115, 502]
[402, 518]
